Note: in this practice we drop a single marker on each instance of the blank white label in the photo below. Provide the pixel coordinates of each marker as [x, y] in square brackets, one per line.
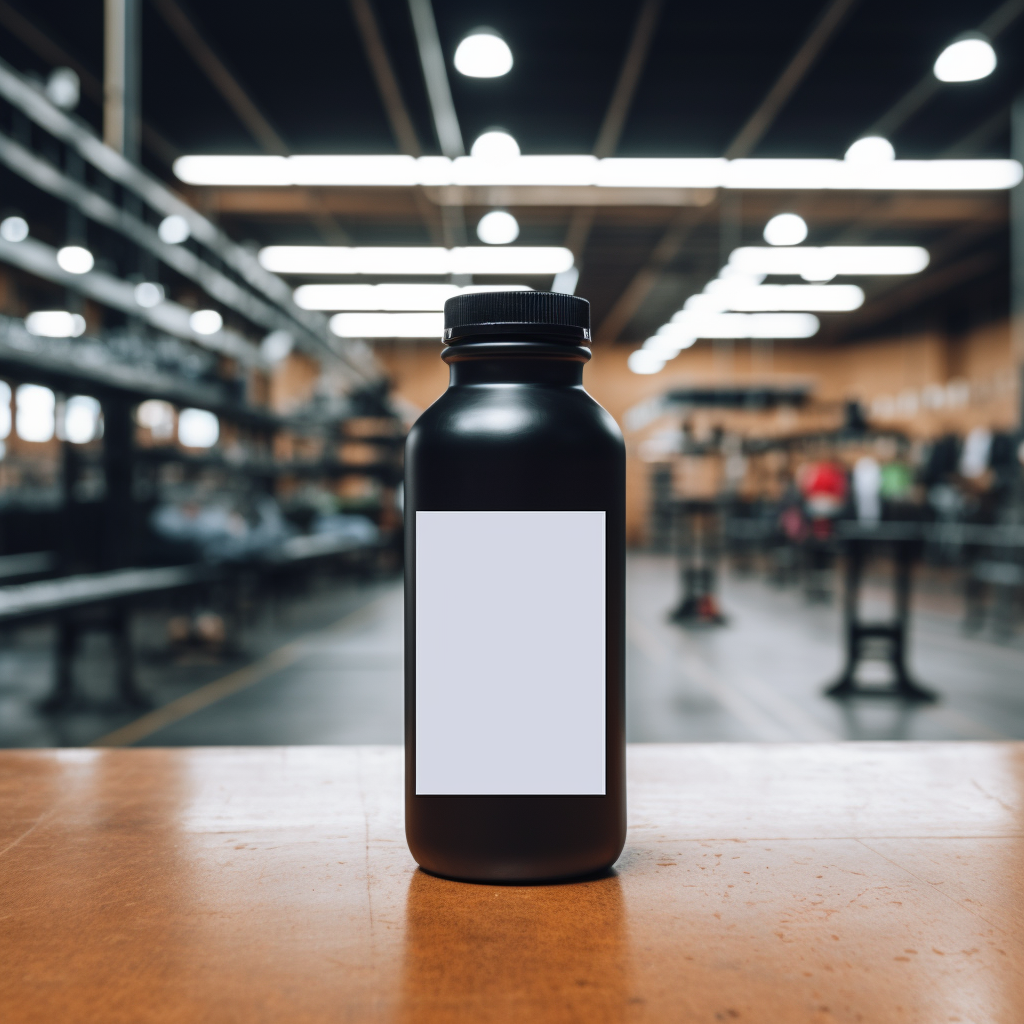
[510, 653]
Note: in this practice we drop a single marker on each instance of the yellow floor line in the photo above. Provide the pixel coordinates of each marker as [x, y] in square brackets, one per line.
[232, 683]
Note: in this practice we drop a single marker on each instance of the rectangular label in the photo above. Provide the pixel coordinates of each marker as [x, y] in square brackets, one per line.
[510, 653]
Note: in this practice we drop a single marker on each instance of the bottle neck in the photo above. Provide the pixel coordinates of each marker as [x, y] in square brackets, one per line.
[515, 362]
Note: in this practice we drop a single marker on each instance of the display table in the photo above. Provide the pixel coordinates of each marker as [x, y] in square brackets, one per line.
[790, 884]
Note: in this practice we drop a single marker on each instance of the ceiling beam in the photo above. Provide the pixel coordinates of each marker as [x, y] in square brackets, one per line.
[615, 117]
[442, 107]
[978, 138]
[907, 295]
[795, 72]
[220, 77]
[384, 76]
[33, 38]
[242, 104]
[644, 280]
[757, 125]
[395, 108]
[928, 85]
[435, 74]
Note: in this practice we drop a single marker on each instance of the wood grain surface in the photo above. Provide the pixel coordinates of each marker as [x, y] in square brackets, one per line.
[784, 883]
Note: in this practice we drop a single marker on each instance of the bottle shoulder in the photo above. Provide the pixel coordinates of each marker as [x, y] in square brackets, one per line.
[497, 414]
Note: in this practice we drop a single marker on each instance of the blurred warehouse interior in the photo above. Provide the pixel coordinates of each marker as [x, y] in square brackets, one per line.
[225, 244]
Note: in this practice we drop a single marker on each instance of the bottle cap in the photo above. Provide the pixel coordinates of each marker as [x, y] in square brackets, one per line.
[553, 315]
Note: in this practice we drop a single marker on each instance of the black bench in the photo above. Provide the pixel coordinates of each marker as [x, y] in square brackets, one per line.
[114, 591]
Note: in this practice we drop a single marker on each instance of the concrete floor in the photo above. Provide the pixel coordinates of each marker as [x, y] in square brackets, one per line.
[327, 668]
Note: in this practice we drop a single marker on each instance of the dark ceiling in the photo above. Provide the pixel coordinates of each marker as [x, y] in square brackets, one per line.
[710, 65]
[303, 65]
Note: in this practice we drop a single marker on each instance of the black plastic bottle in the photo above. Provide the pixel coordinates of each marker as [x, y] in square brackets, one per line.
[514, 621]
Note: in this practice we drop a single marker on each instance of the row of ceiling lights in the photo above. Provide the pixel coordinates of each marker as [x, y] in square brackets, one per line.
[738, 304]
[481, 54]
[969, 57]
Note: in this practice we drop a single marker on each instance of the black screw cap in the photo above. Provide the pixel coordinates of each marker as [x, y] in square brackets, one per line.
[555, 315]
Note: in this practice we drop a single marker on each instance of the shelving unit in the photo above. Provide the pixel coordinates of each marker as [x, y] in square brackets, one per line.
[74, 190]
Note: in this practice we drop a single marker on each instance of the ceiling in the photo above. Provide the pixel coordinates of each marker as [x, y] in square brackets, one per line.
[304, 68]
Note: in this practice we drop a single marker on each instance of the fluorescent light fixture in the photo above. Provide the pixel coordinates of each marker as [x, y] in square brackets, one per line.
[495, 145]
[612, 172]
[566, 281]
[644, 361]
[498, 227]
[75, 260]
[206, 321]
[390, 297]
[966, 60]
[81, 419]
[148, 294]
[822, 264]
[872, 149]
[34, 412]
[174, 229]
[198, 428]
[640, 172]
[277, 345]
[357, 170]
[5, 413]
[483, 54]
[418, 260]
[785, 229]
[55, 323]
[14, 229]
[817, 298]
[742, 325]
[537, 171]
[388, 325]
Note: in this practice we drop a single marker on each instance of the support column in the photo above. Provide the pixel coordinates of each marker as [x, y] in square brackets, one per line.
[118, 542]
[1017, 253]
[122, 52]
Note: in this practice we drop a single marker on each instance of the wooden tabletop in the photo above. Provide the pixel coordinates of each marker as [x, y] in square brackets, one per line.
[797, 883]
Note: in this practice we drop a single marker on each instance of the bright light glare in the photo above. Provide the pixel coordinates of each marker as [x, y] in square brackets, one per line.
[148, 294]
[390, 297]
[75, 260]
[495, 145]
[498, 227]
[872, 149]
[81, 419]
[388, 325]
[825, 263]
[966, 60]
[483, 55]
[34, 419]
[644, 361]
[174, 229]
[157, 416]
[613, 172]
[198, 428]
[277, 345]
[818, 298]
[55, 323]
[742, 325]
[206, 321]
[14, 229]
[785, 229]
[419, 260]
